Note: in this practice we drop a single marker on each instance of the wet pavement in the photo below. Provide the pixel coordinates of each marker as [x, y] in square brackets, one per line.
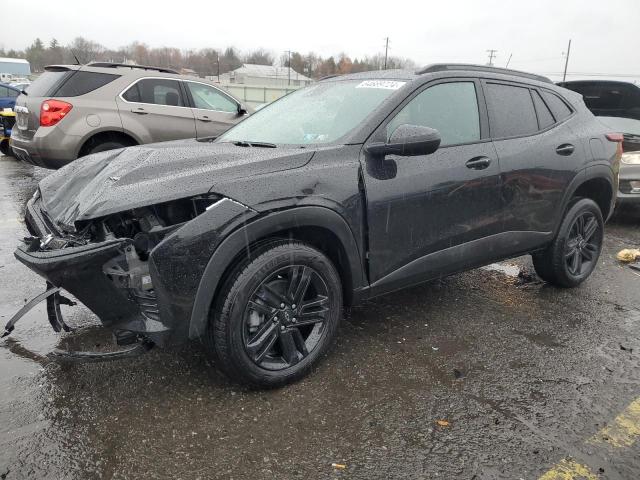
[488, 374]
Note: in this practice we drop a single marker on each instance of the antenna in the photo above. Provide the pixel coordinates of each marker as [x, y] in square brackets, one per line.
[75, 56]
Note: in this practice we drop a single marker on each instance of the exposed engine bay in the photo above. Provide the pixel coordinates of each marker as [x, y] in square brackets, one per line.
[117, 246]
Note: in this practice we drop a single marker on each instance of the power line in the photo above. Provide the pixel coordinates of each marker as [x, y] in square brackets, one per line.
[492, 55]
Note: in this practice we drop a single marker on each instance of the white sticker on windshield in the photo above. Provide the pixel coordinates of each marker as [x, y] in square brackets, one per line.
[386, 84]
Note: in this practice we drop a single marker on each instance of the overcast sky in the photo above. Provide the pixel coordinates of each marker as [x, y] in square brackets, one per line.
[605, 35]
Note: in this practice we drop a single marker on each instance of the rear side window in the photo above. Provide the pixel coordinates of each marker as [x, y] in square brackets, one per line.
[511, 111]
[48, 82]
[81, 83]
[158, 91]
[4, 91]
[558, 107]
[450, 108]
[545, 119]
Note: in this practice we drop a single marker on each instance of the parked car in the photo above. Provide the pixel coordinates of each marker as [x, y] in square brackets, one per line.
[8, 96]
[617, 105]
[73, 110]
[20, 85]
[351, 188]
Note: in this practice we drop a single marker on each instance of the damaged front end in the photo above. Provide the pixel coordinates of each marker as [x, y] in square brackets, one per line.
[104, 262]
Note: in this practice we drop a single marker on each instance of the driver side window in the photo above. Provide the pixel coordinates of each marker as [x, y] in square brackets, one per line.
[451, 108]
[208, 98]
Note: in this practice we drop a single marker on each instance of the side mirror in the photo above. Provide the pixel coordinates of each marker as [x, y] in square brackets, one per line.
[407, 141]
[242, 110]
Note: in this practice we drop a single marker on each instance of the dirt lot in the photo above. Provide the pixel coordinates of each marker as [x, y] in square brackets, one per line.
[476, 376]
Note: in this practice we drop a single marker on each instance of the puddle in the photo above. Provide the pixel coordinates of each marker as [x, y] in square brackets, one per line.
[507, 269]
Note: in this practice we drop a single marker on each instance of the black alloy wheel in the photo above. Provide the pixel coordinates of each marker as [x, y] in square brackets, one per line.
[276, 314]
[583, 246]
[285, 317]
[573, 254]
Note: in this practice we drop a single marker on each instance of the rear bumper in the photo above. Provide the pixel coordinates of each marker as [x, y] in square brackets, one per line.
[80, 271]
[48, 148]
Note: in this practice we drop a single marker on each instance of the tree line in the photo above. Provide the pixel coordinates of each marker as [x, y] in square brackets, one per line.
[204, 61]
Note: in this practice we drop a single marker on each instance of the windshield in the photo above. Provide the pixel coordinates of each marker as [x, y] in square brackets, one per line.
[622, 125]
[322, 113]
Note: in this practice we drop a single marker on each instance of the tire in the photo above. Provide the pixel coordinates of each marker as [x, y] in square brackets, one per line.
[257, 341]
[574, 253]
[104, 146]
[5, 149]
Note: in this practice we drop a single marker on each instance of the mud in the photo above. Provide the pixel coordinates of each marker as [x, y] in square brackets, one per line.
[520, 376]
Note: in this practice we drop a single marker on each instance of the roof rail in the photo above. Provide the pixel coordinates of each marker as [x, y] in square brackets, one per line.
[440, 67]
[126, 65]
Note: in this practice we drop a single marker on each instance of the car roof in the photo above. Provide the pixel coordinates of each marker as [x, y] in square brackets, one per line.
[11, 87]
[597, 82]
[135, 71]
[440, 68]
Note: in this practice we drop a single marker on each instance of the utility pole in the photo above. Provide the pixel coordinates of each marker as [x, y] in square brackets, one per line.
[492, 55]
[386, 52]
[566, 62]
[218, 62]
[289, 66]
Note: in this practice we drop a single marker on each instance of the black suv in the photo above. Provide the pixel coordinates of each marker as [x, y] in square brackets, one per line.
[353, 187]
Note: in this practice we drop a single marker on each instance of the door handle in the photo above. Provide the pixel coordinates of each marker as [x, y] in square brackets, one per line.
[478, 163]
[139, 111]
[565, 149]
[204, 119]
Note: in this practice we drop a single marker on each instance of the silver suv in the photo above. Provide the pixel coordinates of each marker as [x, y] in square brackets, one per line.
[74, 110]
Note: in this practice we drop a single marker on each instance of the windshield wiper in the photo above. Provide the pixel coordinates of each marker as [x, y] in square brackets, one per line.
[244, 143]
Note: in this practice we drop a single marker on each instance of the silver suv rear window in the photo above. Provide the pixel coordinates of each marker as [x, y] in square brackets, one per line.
[47, 82]
[81, 83]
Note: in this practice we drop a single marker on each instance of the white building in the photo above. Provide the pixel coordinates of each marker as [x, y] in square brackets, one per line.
[13, 68]
[264, 75]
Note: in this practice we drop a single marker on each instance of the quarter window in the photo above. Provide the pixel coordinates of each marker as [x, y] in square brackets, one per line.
[450, 108]
[81, 83]
[511, 111]
[545, 119]
[209, 98]
[558, 106]
[158, 91]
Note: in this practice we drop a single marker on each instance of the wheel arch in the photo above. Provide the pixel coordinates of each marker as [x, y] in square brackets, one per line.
[597, 183]
[320, 227]
[105, 135]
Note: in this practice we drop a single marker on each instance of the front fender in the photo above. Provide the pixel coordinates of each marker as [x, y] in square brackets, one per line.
[241, 238]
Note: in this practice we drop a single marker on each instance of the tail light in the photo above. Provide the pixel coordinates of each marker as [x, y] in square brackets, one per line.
[618, 138]
[52, 111]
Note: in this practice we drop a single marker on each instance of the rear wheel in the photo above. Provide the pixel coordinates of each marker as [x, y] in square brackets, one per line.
[276, 315]
[5, 149]
[574, 253]
[107, 145]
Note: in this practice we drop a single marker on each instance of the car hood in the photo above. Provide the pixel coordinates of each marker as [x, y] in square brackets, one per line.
[119, 180]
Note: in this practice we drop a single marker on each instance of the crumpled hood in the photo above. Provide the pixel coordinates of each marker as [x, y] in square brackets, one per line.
[119, 180]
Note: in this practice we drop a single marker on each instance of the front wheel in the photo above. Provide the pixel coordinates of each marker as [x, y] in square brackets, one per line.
[574, 253]
[276, 315]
